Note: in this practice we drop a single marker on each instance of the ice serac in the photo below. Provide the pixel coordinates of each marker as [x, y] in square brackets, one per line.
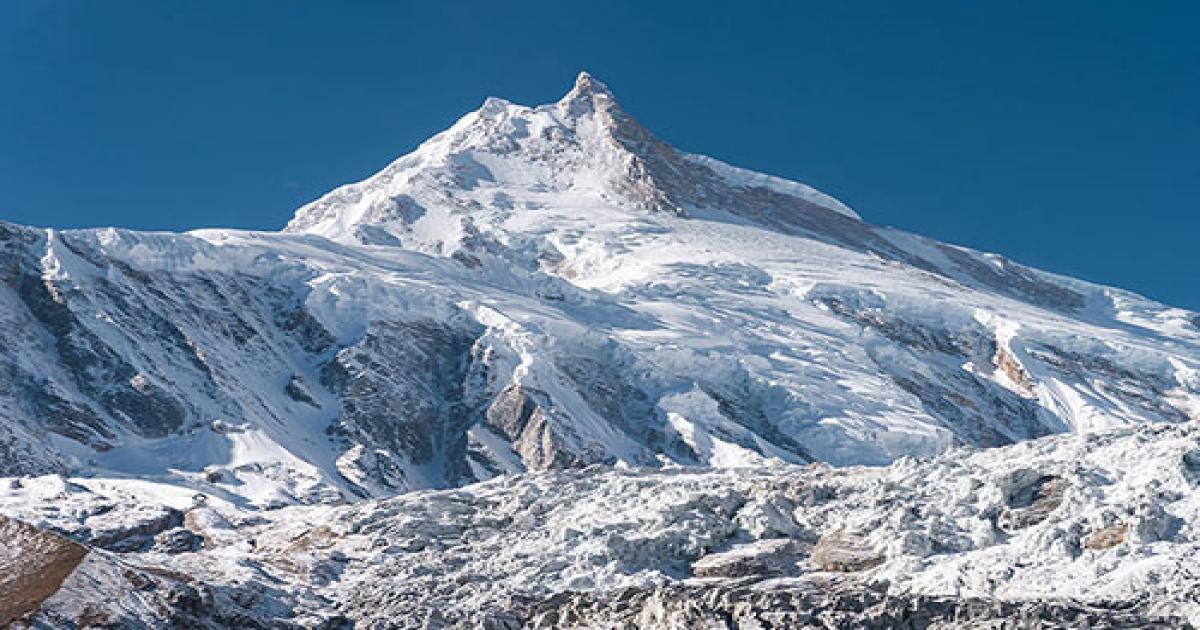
[544, 288]
[1069, 531]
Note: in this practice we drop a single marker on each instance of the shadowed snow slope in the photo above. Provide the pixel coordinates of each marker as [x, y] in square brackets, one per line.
[548, 288]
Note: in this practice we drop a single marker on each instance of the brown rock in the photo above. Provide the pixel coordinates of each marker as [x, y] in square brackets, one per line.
[761, 558]
[1106, 538]
[1007, 363]
[1031, 498]
[33, 565]
[845, 552]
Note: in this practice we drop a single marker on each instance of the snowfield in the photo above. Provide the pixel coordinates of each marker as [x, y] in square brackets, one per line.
[548, 371]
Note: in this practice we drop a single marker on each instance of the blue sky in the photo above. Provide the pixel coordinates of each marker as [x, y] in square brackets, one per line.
[1063, 134]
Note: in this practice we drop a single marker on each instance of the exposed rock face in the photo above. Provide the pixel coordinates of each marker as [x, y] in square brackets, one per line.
[760, 559]
[132, 532]
[401, 390]
[1106, 538]
[845, 551]
[33, 565]
[1030, 497]
[1012, 368]
[523, 416]
[178, 540]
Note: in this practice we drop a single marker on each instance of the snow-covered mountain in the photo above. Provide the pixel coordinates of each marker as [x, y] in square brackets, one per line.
[547, 288]
[547, 371]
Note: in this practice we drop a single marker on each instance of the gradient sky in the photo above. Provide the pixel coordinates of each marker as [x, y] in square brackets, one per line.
[1062, 134]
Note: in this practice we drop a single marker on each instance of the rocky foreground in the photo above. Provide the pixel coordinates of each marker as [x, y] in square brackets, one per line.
[1083, 531]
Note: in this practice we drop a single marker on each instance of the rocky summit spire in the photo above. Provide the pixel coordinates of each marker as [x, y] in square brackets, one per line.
[587, 96]
[585, 83]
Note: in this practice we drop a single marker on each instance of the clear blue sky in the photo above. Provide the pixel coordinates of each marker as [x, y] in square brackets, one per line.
[1063, 134]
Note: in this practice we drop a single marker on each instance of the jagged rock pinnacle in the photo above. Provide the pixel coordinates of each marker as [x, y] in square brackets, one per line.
[587, 84]
[588, 95]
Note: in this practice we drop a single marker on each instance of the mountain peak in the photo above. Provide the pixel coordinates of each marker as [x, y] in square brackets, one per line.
[585, 83]
[582, 152]
[587, 96]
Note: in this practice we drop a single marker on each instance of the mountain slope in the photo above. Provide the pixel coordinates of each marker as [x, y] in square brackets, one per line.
[541, 288]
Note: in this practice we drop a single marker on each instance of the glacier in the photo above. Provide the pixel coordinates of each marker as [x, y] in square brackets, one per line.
[1090, 530]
